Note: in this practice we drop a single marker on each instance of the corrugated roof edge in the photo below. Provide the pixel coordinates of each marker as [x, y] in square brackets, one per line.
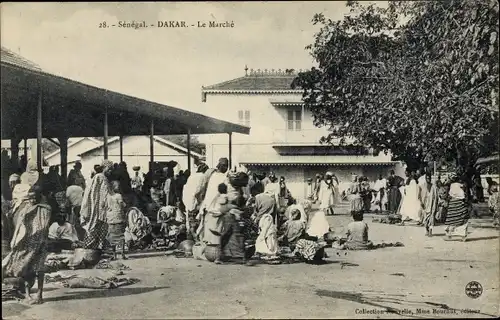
[233, 127]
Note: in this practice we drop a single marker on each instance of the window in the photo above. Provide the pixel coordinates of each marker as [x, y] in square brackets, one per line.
[294, 120]
[244, 117]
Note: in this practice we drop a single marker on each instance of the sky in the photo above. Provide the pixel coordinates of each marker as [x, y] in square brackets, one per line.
[164, 65]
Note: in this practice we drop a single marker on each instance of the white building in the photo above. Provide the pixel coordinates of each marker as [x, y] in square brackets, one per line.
[283, 137]
[135, 153]
[75, 148]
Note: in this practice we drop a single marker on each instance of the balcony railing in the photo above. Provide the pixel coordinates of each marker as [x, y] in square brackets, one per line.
[307, 136]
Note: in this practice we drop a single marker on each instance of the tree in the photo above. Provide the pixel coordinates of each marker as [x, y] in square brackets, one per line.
[181, 140]
[421, 89]
[48, 146]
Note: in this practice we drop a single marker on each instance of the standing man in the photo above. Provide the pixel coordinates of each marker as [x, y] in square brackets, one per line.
[75, 176]
[379, 188]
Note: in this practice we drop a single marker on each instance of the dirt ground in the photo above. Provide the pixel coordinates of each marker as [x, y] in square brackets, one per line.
[424, 279]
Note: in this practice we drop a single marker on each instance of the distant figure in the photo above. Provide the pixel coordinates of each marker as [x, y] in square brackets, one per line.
[23, 162]
[75, 176]
[491, 184]
[137, 180]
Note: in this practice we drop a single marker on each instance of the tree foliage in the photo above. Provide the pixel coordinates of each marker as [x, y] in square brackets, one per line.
[181, 140]
[416, 78]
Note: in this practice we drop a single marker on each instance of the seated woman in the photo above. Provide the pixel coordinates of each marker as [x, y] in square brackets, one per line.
[356, 236]
[62, 235]
[293, 229]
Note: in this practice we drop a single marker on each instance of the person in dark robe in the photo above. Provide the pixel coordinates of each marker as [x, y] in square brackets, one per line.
[394, 195]
[491, 184]
[75, 176]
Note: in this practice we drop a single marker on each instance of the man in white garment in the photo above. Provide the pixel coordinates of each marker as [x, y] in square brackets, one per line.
[188, 196]
[209, 202]
[379, 187]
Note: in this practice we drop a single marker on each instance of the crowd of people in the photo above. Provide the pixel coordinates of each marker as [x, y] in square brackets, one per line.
[223, 215]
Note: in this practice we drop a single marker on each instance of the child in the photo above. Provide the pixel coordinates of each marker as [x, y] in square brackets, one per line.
[357, 235]
[116, 219]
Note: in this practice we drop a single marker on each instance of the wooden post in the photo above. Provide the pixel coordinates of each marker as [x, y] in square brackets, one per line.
[14, 153]
[189, 148]
[25, 154]
[63, 142]
[106, 134]
[39, 153]
[151, 145]
[230, 150]
[121, 148]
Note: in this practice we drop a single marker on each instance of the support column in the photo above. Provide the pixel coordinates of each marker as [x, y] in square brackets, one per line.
[121, 148]
[39, 153]
[106, 134]
[63, 146]
[151, 145]
[230, 150]
[189, 149]
[14, 153]
[25, 154]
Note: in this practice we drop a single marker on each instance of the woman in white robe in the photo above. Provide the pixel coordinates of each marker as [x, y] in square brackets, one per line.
[411, 205]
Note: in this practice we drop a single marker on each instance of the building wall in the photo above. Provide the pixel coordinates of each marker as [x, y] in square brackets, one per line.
[135, 153]
[73, 152]
[264, 118]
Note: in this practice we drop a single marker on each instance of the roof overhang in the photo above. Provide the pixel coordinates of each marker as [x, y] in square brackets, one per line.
[315, 160]
[215, 91]
[304, 163]
[75, 109]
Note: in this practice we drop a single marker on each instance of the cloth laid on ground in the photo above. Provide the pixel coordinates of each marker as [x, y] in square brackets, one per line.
[77, 281]
[11, 292]
[114, 265]
[340, 245]
[390, 219]
[57, 261]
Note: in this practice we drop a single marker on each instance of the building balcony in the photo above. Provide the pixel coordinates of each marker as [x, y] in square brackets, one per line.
[306, 137]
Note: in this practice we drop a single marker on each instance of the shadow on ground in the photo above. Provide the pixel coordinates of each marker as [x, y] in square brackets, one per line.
[103, 293]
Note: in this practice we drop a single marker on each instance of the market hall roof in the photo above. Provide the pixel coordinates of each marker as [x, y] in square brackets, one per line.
[13, 58]
[257, 81]
[76, 109]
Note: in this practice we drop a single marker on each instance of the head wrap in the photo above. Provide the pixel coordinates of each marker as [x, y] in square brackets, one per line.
[295, 214]
[202, 167]
[223, 162]
[30, 177]
[14, 177]
[307, 205]
[107, 164]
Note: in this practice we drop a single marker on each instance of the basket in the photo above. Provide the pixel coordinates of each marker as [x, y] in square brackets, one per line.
[212, 252]
[186, 246]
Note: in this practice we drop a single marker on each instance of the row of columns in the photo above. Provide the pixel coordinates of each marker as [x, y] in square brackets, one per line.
[63, 144]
